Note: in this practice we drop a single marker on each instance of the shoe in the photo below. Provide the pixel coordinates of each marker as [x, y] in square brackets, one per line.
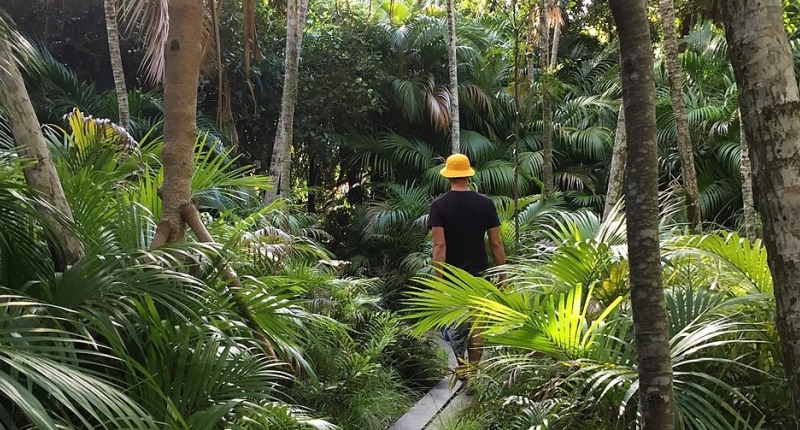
[470, 391]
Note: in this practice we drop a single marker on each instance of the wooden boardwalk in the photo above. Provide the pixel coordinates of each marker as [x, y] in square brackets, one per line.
[440, 404]
[446, 415]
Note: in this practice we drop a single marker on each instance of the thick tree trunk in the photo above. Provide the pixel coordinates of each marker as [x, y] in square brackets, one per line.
[116, 64]
[41, 175]
[547, 102]
[455, 125]
[770, 109]
[651, 326]
[280, 166]
[182, 58]
[747, 186]
[616, 173]
[689, 176]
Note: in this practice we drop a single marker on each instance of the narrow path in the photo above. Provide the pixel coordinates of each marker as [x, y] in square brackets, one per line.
[439, 404]
[446, 415]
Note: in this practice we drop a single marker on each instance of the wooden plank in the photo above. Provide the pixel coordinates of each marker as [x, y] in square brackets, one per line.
[432, 402]
[446, 415]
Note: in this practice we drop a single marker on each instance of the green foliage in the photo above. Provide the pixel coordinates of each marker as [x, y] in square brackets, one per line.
[372, 115]
[166, 324]
[365, 365]
[565, 357]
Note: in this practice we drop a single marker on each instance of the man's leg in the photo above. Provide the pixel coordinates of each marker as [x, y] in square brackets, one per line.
[475, 347]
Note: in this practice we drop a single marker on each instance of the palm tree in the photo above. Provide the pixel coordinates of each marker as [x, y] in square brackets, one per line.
[112, 33]
[280, 165]
[769, 103]
[452, 45]
[747, 186]
[547, 103]
[651, 325]
[40, 174]
[616, 173]
[684, 138]
[169, 39]
[182, 68]
[710, 102]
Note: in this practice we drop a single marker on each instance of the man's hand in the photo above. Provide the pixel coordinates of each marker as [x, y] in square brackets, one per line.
[439, 250]
[496, 243]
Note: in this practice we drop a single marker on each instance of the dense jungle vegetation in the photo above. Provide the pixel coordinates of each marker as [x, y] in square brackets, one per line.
[315, 307]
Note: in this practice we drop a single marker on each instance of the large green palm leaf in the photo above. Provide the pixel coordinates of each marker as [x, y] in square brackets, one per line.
[702, 330]
[740, 263]
[557, 325]
[23, 253]
[46, 372]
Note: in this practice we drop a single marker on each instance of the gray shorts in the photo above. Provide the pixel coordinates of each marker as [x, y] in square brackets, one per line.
[457, 336]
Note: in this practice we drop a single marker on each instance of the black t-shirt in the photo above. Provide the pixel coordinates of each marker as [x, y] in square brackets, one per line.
[465, 217]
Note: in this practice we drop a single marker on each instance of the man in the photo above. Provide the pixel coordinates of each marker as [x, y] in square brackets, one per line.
[459, 221]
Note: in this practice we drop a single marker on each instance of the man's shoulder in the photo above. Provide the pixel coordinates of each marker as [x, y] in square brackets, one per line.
[483, 198]
[438, 199]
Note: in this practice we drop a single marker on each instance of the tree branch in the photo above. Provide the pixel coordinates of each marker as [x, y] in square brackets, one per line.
[191, 217]
[163, 230]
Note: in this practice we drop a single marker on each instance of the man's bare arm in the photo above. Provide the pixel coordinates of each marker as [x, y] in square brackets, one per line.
[439, 249]
[498, 250]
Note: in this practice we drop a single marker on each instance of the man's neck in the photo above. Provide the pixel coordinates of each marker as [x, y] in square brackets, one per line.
[459, 186]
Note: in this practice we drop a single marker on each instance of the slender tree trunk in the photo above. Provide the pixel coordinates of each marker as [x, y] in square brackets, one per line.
[517, 108]
[313, 182]
[280, 166]
[116, 64]
[455, 125]
[41, 175]
[547, 102]
[747, 186]
[685, 148]
[651, 326]
[748, 203]
[556, 35]
[770, 109]
[182, 58]
[616, 173]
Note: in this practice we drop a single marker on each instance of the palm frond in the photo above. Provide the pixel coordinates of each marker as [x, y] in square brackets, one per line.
[152, 19]
[746, 261]
[42, 365]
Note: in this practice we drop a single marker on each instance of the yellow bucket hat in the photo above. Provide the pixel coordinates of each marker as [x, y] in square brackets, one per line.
[457, 166]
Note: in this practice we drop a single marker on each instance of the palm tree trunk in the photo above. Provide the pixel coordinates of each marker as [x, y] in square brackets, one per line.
[651, 326]
[770, 109]
[517, 108]
[116, 64]
[547, 102]
[455, 126]
[747, 187]
[685, 148]
[41, 174]
[556, 35]
[280, 165]
[616, 173]
[182, 60]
